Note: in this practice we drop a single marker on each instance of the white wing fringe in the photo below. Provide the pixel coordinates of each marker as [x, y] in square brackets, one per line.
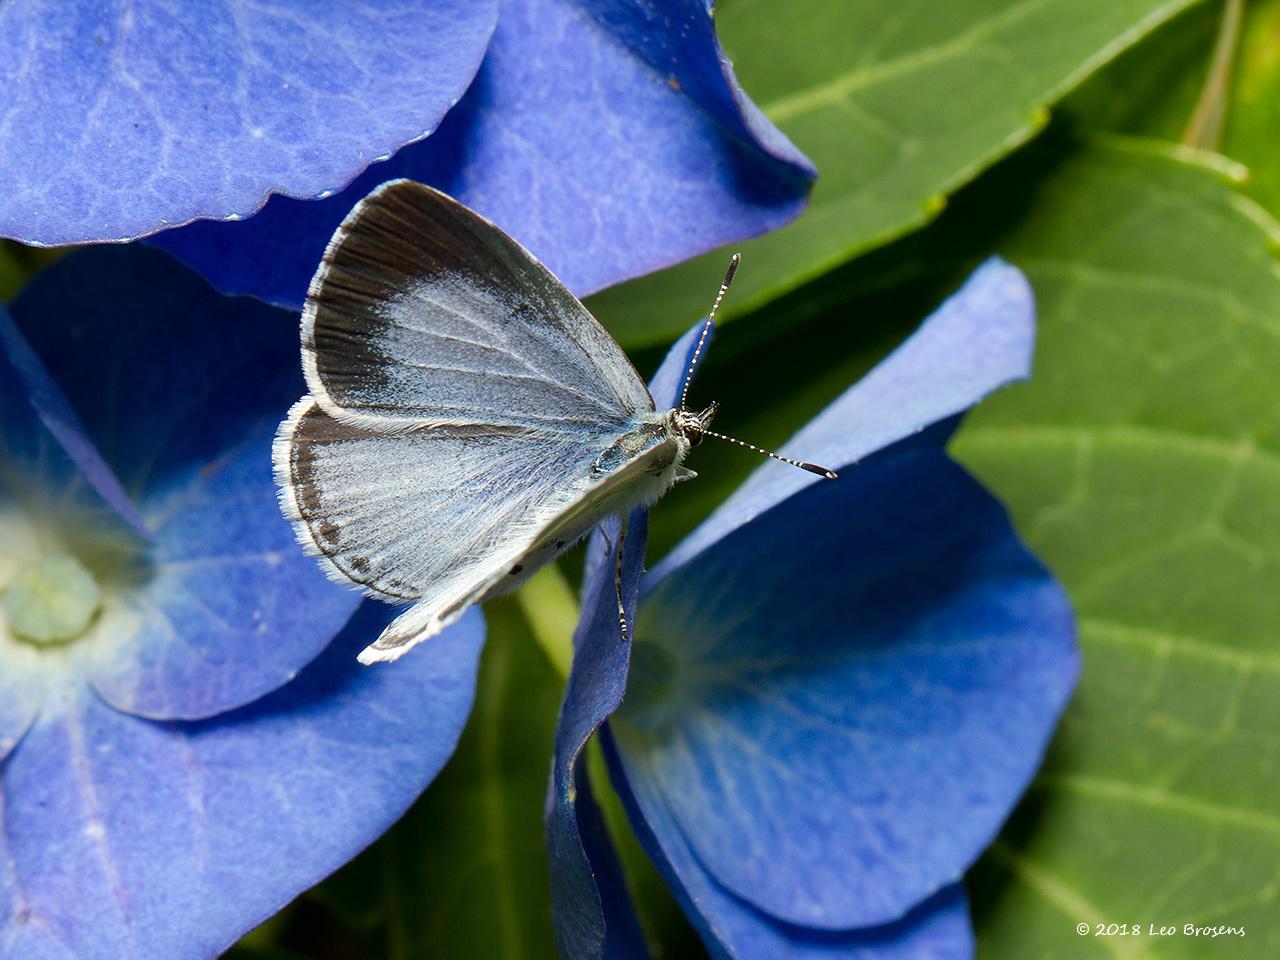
[420, 622]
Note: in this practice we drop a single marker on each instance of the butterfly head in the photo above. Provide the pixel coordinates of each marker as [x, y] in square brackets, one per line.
[692, 424]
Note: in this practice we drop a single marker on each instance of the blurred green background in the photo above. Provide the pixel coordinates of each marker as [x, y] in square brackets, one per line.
[1124, 154]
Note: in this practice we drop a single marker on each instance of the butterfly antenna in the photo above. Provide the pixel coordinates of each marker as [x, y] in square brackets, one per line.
[811, 467]
[706, 327]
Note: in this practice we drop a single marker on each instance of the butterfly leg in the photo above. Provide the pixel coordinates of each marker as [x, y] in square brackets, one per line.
[617, 578]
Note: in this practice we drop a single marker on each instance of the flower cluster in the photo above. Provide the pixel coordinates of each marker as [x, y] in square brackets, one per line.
[184, 749]
[836, 691]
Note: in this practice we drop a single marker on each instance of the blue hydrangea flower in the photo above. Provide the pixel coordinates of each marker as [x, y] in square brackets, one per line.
[182, 748]
[610, 137]
[838, 689]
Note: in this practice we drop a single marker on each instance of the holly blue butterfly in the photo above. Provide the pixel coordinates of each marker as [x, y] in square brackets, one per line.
[467, 419]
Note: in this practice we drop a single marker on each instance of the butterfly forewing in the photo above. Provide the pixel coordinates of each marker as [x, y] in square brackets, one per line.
[423, 312]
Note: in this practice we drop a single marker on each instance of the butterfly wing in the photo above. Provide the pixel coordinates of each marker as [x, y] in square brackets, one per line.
[443, 517]
[424, 313]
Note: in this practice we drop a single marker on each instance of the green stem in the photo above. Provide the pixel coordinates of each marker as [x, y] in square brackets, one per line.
[549, 605]
[1204, 129]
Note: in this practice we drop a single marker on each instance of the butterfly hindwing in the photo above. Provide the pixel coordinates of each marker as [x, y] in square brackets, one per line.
[399, 514]
[444, 517]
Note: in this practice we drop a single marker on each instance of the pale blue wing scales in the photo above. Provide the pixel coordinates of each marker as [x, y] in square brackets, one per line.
[439, 517]
[425, 313]
[399, 514]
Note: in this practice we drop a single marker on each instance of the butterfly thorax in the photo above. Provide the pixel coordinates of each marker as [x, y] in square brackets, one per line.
[639, 465]
[642, 462]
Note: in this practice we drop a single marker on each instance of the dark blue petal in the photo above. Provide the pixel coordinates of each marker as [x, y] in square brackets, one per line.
[840, 702]
[181, 390]
[604, 163]
[980, 339]
[23, 373]
[732, 929]
[592, 911]
[129, 838]
[591, 923]
[120, 119]
[677, 39]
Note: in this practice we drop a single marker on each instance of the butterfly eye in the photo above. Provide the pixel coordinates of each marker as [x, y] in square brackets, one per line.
[695, 438]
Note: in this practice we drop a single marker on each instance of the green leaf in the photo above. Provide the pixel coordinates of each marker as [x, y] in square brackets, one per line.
[1142, 461]
[1151, 89]
[18, 263]
[464, 874]
[898, 104]
[11, 275]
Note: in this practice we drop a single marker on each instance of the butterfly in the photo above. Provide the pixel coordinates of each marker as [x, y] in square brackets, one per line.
[467, 418]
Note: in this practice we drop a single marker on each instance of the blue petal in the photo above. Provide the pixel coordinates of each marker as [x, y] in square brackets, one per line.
[596, 684]
[679, 42]
[128, 838]
[47, 500]
[980, 339]
[605, 164]
[121, 119]
[21, 693]
[592, 912]
[181, 390]
[731, 928]
[589, 922]
[840, 703]
[23, 372]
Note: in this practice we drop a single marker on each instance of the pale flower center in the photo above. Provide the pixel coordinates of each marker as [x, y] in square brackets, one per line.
[51, 601]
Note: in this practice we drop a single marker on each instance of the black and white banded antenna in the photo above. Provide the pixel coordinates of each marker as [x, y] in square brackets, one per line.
[706, 327]
[698, 426]
[811, 467]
